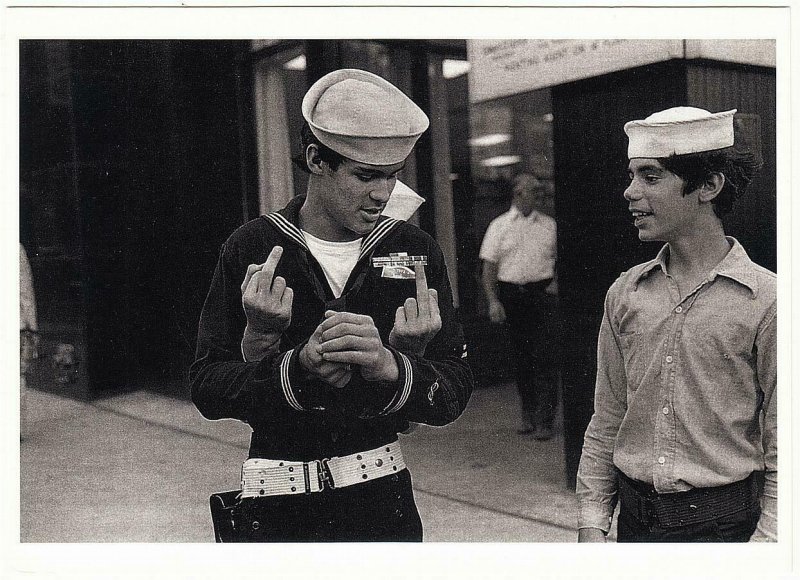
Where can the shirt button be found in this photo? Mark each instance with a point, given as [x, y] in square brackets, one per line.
[679, 309]
[665, 410]
[661, 460]
[669, 358]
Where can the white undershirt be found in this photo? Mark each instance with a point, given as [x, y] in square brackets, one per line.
[336, 258]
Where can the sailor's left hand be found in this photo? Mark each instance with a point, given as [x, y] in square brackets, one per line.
[418, 320]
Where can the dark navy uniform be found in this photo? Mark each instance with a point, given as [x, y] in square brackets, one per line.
[296, 417]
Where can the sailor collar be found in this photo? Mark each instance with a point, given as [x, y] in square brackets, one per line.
[285, 221]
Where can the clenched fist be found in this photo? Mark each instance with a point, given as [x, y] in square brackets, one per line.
[353, 339]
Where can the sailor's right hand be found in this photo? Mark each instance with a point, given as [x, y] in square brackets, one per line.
[266, 298]
[334, 373]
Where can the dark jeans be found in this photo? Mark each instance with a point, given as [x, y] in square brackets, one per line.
[531, 315]
[735, 527]
[382, 510]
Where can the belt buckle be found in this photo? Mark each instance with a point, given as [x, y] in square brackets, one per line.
[324, 474]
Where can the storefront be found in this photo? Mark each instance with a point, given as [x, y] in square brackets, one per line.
[554, 108]
[140, 157]
[563, 104]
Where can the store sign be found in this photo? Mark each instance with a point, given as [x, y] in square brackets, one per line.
[755, 52]
[512, 66]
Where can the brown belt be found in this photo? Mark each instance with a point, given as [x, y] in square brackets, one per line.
[701, 504]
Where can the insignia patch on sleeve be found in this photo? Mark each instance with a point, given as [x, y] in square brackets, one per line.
[432, 390]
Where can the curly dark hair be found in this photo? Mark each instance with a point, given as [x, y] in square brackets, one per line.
[328, 155]
[738, 166]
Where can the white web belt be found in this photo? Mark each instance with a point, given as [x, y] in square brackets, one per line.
[265, 477]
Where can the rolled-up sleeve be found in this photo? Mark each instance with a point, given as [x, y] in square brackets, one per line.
[597, 481]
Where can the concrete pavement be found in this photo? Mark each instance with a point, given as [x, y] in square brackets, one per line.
[139, 467]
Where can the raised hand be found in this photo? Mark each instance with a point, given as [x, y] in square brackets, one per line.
[353, 339]
[267, 303]
[418, 320]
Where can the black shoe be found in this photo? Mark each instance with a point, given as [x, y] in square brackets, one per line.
[526, 431]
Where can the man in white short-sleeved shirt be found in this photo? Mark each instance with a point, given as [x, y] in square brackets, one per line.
[519, 256]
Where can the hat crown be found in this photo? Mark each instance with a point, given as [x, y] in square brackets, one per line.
[359, 108]
[679, 131]
[363, 117]
[677, 115]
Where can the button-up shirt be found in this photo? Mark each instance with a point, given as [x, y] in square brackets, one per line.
[523, 247]
[686, 387]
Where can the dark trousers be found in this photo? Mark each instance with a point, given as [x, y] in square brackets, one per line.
[531, 315]
[381, 510]
[636, 524]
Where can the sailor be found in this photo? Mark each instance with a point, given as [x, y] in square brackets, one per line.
[329, 328]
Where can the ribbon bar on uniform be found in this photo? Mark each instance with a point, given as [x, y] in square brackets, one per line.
[400, 261]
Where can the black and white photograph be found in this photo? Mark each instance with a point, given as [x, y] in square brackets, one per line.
[429, 300]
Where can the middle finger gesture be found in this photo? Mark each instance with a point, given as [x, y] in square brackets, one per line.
[418, 320]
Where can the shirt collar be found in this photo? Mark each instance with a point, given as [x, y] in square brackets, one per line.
[736, 265]
[516, 214]
[660, 261]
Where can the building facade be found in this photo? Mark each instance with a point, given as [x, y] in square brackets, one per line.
[138, 158]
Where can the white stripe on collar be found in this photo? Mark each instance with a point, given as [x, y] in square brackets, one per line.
[367, 244]
[287, 228]
[376, 235]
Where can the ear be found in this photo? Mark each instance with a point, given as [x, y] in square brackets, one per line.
[313, 160]
[711, 187]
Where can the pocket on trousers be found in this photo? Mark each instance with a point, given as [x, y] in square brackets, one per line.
[275, 519]
[396, 517]
[737, 527]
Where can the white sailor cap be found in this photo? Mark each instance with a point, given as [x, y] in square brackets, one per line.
[363, 117]
[678, 131]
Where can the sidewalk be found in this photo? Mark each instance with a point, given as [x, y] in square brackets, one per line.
[139, 467]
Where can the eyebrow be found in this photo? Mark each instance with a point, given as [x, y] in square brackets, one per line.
[644, 168]
[369, 171]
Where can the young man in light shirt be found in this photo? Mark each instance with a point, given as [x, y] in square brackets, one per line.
[685, 403]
